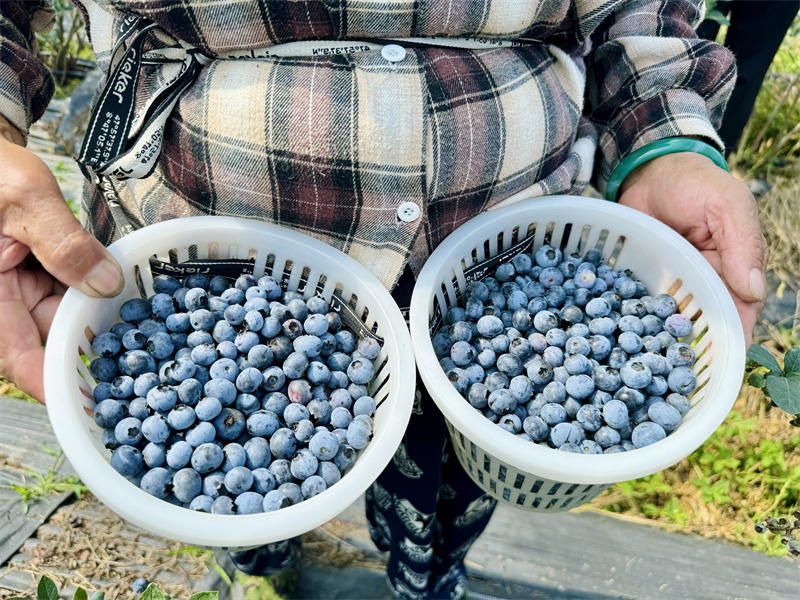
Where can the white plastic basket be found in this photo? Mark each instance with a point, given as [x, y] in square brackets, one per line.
[278, 252]
[533, 477]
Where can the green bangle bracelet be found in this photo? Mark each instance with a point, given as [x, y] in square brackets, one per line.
[659, 148]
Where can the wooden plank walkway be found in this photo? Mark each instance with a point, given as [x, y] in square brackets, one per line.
[80, 543]
[25, 432]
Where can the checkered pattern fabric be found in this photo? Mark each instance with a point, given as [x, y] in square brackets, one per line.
[332, 145]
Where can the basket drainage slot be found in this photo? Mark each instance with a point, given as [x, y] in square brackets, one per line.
[519, 481]
[553, 490]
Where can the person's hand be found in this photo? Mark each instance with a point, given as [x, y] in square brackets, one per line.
[43, 248]
[716, 213]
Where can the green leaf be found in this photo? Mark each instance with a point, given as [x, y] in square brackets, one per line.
[715, 15]
[204, 596]
[763, 357]
[153, 593]
[80, 594]
[791, 362]
[784, 392]
[46, 590]
[756, 380]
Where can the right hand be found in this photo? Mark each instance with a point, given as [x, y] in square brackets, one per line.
[43, 249]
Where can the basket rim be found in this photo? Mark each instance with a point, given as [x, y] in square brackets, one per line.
[550, 463]
[66, 412]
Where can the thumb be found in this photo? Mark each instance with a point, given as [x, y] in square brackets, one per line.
[72, 255]
[742, 248]
[34, 212]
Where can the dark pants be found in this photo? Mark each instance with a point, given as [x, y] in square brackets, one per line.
[754, 36]
[423, 510]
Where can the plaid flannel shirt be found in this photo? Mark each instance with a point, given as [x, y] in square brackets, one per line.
[332, 145]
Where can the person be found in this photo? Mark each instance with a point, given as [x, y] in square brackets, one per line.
[328, 118]
[756, 30]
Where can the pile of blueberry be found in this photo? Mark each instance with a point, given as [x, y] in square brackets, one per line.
[232, 399]
[566, 352]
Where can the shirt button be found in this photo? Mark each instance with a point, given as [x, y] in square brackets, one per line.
[408, 211]
[393, 53]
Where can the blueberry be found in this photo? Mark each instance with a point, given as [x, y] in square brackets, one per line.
[615, 413]
[106, 345]
[607, 437]
[682, 380]
[590, 447]
[681, 403]
[140, 585]
[186, 484]
[154, 455]
[548, 256]
[345, 458]
[103, 369]
[629, 342]
[568, 447]
[157, 482]
[263, 481]
[179, 454]
[222, 331]
[358, 434]
[155, 429]
[552, 414]
[275, 500]
[229, 424]
[135, 309]
[201, 433]
[677, 325]
[201, 504]
[249, 503]
[489, 326]
[665, 415]
[647, 433]
[207, 457]
[361, 371]
[597, 308]
[576, 364]
[283, 443]
[635, 374]
[299, 391]
[108, 413]
[664, 306]
[657, 387]
[223, 506]
[680, 355]
[580, 386]
[128, 431]
[181, 417]
[304, 464]
[127, 461]
[589, 417]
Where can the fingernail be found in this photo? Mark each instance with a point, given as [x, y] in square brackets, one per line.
[105, 279]
[758, 285]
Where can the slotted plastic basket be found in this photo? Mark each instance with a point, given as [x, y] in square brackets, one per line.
[303, 264]
[526, 475]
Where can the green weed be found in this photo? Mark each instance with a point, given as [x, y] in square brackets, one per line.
[38, 485]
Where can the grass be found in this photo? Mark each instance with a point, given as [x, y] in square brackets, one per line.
[34, 486]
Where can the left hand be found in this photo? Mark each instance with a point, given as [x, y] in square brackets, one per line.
[716, 213]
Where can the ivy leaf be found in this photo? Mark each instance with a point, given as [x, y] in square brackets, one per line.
[153, 593]
[763, 357]
[80, 594]
[791, 362]
[756, 380]
[784, 392]
[204, 596]
[46, 590]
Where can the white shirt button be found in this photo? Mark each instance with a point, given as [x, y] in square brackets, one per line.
[408, 211]
[393, 53]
